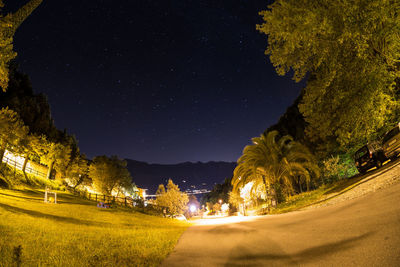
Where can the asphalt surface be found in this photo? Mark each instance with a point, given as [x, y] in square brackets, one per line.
[361, 232]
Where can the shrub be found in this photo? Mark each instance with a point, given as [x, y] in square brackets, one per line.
[172, 199]
[10, 176]
[338, 167]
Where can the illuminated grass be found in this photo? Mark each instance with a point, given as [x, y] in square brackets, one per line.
[303, 200]
[77, 233]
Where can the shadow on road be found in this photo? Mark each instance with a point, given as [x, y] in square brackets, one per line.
[322, 215]
[246, 257]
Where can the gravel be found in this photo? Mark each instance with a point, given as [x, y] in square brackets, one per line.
[372, 182]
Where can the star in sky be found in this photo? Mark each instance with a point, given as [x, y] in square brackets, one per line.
[131, 77]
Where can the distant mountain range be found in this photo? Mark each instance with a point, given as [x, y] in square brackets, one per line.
[188, 175]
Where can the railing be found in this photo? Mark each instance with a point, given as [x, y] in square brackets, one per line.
[18, 165]
[121, 201]
[35, 172]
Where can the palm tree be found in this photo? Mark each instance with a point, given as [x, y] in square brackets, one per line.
[277, 162]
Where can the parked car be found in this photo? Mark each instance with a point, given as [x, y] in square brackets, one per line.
[391, 143]
[369, 156]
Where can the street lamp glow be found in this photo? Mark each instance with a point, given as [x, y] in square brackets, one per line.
[192, 208]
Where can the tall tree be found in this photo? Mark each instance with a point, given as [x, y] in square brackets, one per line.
[33, 148]
[56, 157]
[108, 174]
[13, 132]
[77, 171]
[8, 26]
[349, 51]
[33, 109]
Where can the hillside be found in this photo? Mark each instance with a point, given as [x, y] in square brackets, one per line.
[188, 175]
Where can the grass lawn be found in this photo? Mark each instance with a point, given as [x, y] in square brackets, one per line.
[302, 200]
[324, 192]
[77, 233]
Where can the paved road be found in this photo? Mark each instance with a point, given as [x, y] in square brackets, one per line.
[360, 232]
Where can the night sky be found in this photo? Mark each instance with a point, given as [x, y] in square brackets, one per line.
[157, 81]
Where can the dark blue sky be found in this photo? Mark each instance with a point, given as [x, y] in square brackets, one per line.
[157, 81]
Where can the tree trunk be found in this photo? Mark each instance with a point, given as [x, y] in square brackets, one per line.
[24, 167]
[79, 182]
[2, 151]
[25, 163]
[50, 170]
[266, 187]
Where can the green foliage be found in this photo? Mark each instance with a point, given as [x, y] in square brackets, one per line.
[77, 172]
[216, 207]
[109, 174]
[33, 148]
[12, 132]
[235, 199]
[9, 178]
[292, 123]
[6, 50]
[280, 163]
[56, 156]
[172, 199]
[33, 109]
[338, 167]
[132, 190]
[220, 191]
[160, 190]
[8, 25]
[350, 52]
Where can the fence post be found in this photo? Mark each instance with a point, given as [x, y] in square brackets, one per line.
[96, 197]
[125, 201]
[104, 198]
